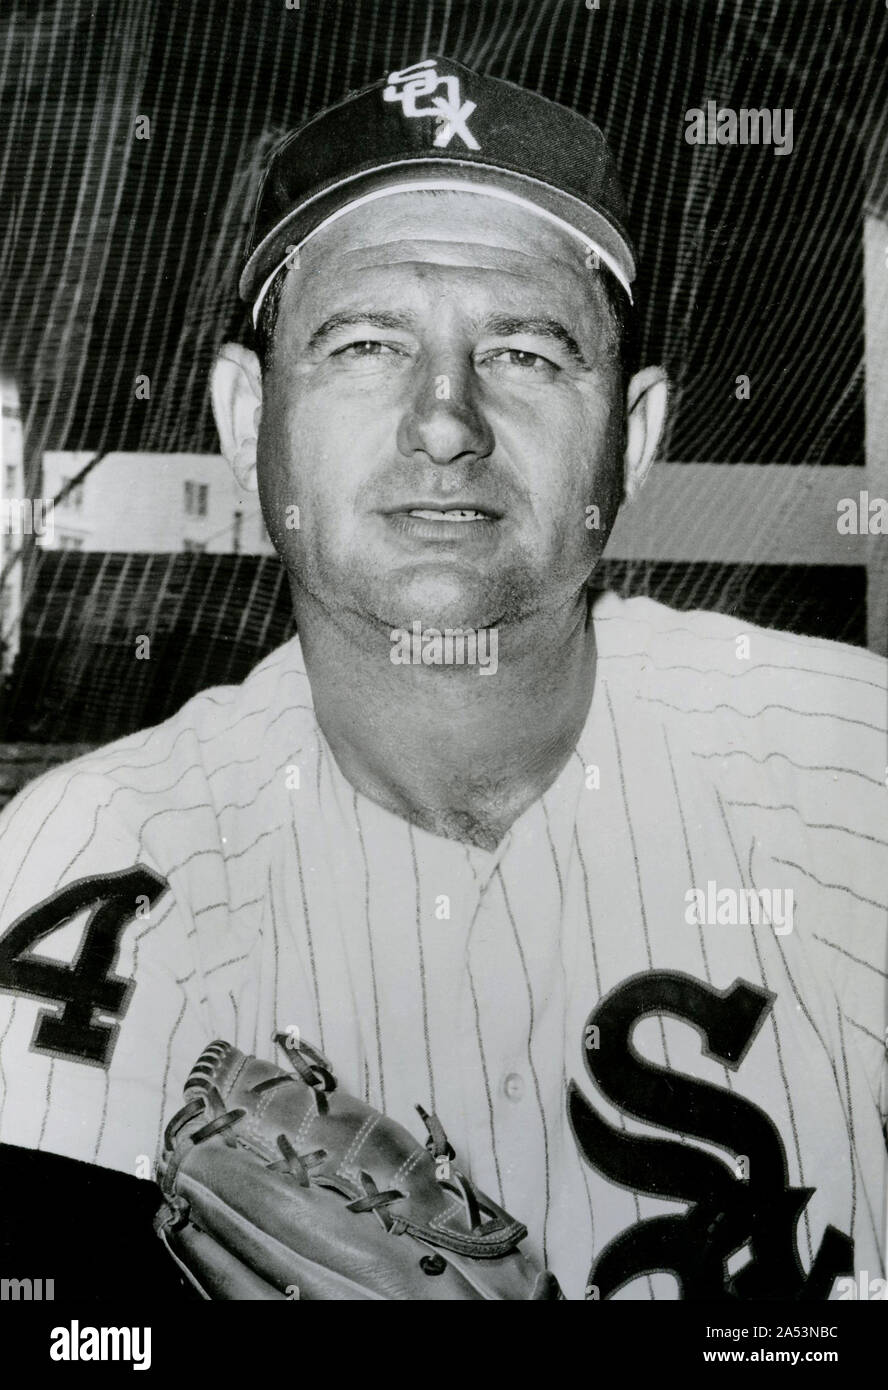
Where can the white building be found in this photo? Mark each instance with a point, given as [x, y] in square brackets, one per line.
[152, 502]
[12, 494]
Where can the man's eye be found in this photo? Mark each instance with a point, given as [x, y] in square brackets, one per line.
[523, 360]
[368, 347]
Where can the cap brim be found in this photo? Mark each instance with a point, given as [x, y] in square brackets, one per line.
[588, 226]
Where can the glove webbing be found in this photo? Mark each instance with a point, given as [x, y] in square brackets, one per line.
[315, 1071]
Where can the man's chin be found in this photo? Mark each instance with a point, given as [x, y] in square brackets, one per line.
[442, 595]
[444, 599]
[441, 617]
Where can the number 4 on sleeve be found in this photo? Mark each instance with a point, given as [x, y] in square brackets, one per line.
[88, 985]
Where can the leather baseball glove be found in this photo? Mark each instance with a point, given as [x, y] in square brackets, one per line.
[279, 1185]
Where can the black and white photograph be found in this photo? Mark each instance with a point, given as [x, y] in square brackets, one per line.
[443, 694]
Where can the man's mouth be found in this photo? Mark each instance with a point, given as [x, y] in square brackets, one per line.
[457, 514]
[427, 524]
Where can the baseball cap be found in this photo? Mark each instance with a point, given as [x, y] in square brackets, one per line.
[438, 125]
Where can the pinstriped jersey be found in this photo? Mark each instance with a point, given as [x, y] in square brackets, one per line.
[652, 1021]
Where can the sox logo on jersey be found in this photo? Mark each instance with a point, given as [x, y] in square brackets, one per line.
[751, 1205]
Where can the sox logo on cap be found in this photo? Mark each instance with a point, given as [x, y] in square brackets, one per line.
[437, 125]
[422, 80]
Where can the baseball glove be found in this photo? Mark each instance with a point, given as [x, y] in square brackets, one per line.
[279, 1185]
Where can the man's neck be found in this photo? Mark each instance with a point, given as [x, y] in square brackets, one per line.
[460, 753]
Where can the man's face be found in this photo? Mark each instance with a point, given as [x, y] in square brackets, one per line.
[433, 355]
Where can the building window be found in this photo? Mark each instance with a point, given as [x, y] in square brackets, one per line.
[196, 497]
[10, 479]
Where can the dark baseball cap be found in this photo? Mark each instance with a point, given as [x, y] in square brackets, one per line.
[438, 125]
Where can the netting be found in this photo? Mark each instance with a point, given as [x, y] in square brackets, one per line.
[128, 164]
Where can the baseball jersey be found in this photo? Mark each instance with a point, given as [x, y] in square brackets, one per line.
[652, 1021]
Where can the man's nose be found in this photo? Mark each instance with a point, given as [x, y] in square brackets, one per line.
[443, 421]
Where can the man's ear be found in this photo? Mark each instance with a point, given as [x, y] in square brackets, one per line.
[236, 390]
[646, 398]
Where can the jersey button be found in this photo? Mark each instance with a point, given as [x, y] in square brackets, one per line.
[513, 1086]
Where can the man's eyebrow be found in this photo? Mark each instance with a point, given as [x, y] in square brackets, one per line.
[353, 318]
[505, 326]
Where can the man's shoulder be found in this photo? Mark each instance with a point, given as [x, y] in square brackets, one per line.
[705, 664]
[213, 752]
[778, 736]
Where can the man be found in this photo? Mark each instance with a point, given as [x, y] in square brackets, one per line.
[601, 883]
